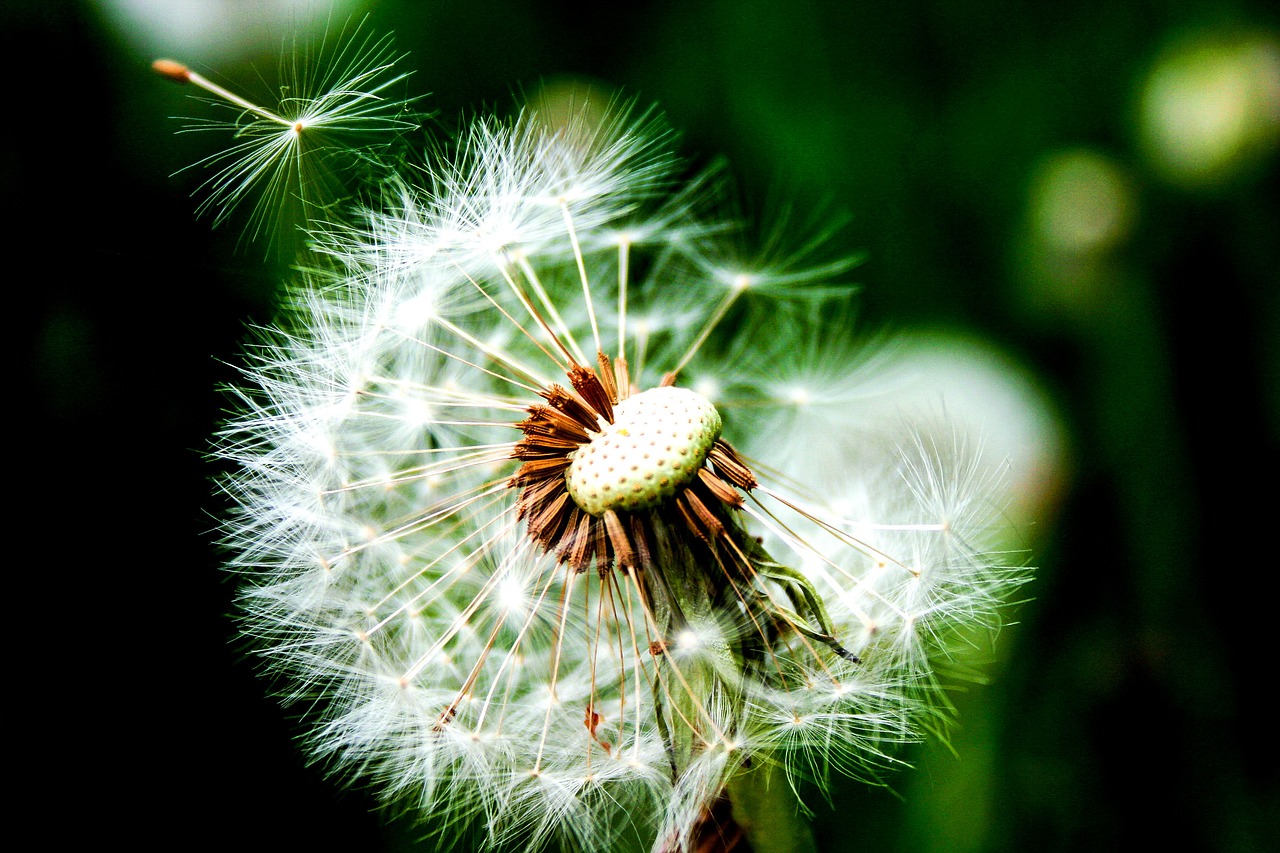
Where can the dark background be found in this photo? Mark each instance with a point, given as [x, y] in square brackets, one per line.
[1131, 707]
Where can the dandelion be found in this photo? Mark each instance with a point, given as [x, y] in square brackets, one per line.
[292, 153]
[565, 518]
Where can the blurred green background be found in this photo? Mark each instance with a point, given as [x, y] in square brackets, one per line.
[1085, 192]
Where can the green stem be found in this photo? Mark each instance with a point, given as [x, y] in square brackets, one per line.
[767, 809]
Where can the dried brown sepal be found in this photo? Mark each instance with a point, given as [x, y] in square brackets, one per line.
[729, 466]
[589, 387]
[578, 546]
[618, 539]
[542, 445]
[536, 492]
[622, 377]
[640, 541]
[548, 420]
[571, 407]
[700, 518]
[722, 490]
[601, 547]
[547, 523]
[607, 378]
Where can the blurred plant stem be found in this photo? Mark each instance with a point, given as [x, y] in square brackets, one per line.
[1145, 448]
[766, 807]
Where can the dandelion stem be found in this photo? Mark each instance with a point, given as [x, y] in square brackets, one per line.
[766, 807]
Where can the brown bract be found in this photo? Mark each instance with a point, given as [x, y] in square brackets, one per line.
[698, 514]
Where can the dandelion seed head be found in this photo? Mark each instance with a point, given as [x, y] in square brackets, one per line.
[498, 537]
